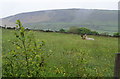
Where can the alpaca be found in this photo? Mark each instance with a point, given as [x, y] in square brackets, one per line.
[86, 38]
[89, 38]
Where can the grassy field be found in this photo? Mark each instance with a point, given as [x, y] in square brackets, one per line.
[0, 53]
[67, 51]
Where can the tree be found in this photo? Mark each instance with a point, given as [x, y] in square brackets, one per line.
[83, 30]
[62, 30]
[116, 34]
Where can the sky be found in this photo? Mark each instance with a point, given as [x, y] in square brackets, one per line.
[12, 7]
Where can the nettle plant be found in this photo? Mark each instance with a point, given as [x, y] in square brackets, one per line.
[27, 59]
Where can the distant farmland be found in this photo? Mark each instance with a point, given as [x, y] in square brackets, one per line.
[98, 20]
[57, 26]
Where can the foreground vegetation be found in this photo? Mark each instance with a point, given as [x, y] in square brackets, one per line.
[0, 53]
[67, 55]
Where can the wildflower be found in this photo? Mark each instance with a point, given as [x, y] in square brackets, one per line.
[18, 47]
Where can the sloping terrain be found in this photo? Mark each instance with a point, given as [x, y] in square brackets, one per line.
[102, 20]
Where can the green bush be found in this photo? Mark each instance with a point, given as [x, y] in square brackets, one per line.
[82, 30]
[62, 30]
[116, 34]
[27, 59]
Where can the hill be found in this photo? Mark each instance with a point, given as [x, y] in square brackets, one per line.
[99, 20]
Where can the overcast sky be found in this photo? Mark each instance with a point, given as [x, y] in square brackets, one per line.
[12, 7]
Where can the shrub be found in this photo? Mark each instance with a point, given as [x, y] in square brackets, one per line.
[116, 34]
[27, 59]
[82, 31]
[62, 30]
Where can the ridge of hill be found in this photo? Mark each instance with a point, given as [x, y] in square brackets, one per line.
[99, 20]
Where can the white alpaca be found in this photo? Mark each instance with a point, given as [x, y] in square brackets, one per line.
[89, 38]
[86, 38]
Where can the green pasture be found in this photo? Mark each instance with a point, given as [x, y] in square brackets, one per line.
[67, 51]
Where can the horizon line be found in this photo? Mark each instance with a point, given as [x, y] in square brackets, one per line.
[55, 9]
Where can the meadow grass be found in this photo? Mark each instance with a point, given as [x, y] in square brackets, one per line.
[0, 53]
[66, 49]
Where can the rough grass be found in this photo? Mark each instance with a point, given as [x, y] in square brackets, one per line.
[65, 48]
[0, 53]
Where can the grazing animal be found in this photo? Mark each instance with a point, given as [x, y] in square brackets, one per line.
[84, 37]
[89, 38]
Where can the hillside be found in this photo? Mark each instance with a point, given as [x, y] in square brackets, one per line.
[100, 20]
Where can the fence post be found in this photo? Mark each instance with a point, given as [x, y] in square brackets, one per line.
[117, 66]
